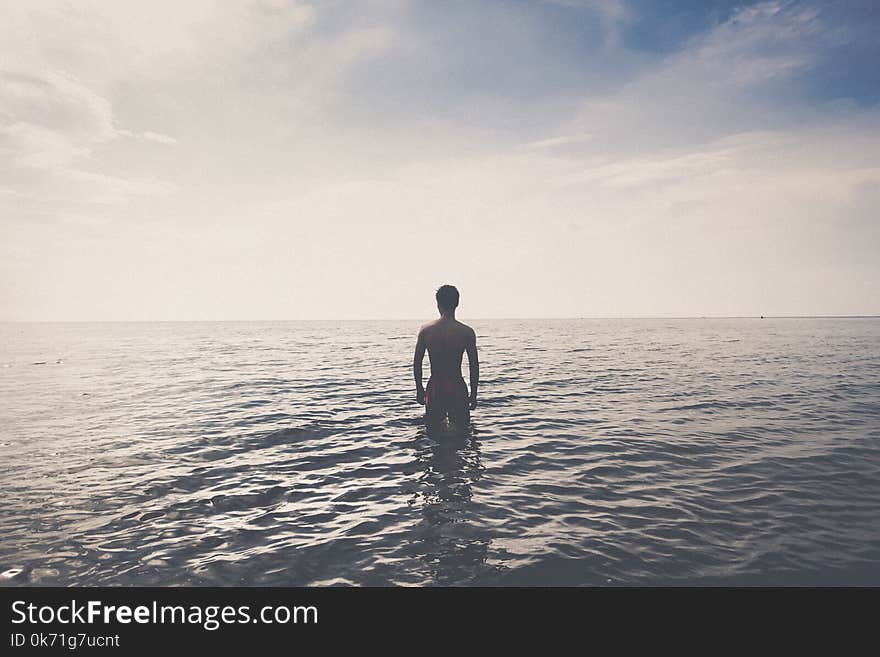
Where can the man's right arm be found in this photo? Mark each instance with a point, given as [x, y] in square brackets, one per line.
[417, 366]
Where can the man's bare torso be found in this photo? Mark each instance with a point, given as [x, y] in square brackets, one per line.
[446, 341]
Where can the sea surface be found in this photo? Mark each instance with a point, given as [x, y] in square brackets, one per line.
[603, 452]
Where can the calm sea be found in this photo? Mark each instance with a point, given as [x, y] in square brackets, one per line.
[603, 452]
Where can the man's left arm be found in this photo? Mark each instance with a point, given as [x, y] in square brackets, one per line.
[474, 366]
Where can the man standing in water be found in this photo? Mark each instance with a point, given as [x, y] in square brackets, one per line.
[446, 340]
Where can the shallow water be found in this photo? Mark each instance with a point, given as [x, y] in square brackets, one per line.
[603, 452]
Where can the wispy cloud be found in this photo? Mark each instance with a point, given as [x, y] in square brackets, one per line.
[148, 136]
[554, 142]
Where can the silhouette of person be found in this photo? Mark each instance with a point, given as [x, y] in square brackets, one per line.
[446, 339]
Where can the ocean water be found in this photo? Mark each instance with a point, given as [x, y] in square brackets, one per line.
[603, 452]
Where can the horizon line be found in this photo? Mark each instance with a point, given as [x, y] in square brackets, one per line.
[418, 319]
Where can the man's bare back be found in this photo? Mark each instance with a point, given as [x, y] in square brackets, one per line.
[446, 340]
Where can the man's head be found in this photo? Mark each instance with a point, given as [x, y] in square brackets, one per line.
[447, 298]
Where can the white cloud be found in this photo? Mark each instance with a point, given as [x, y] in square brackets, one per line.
[721, 83]
[50, 126]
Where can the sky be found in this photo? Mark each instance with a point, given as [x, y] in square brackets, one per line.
[281, 159]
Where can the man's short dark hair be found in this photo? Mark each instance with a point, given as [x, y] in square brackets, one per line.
[447, 297]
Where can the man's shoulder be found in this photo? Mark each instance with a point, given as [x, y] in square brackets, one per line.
[466, 330]
[426, 328]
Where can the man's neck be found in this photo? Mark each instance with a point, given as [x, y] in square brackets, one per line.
[448, 314]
